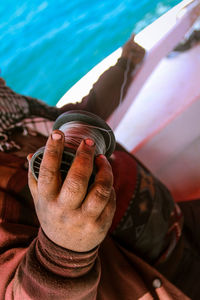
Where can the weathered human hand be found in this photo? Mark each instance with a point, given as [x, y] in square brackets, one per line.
[71, 215]
[133, 51]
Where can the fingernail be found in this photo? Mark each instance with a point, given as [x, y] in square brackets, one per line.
[89, 142]
[56, 136]
[100, 156]
[29, 156]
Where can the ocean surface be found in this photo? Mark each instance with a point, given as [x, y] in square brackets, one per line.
[47, 46]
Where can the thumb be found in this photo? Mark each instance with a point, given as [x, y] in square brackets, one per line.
[32, 182]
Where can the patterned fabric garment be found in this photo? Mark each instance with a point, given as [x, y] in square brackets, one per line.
[22, 112]
[152, 217]
[151, 207]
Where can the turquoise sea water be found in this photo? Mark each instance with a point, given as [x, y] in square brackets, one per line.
[47, 46]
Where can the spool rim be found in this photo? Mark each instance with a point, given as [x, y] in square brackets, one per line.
[35, 164]
[91, 119]
[33, 158]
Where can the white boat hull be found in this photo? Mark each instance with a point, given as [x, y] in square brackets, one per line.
[158, 120]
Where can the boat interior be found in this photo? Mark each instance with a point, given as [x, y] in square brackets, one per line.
[159, 119]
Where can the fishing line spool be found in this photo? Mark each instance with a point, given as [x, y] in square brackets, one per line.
[78, 125]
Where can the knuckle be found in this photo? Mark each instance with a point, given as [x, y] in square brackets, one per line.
[111, 205]
[76, 183]
[46, 174]
[80, 178]
[51, 152]
[102, 191]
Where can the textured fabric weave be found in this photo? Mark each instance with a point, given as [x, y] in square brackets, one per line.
[26, 113]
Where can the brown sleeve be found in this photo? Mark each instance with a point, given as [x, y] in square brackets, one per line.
[31, 265]
[48, 271]
[104, 96]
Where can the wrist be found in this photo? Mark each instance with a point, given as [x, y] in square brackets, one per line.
[62, 261]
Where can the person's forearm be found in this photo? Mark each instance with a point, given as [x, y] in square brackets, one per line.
[48, 271]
